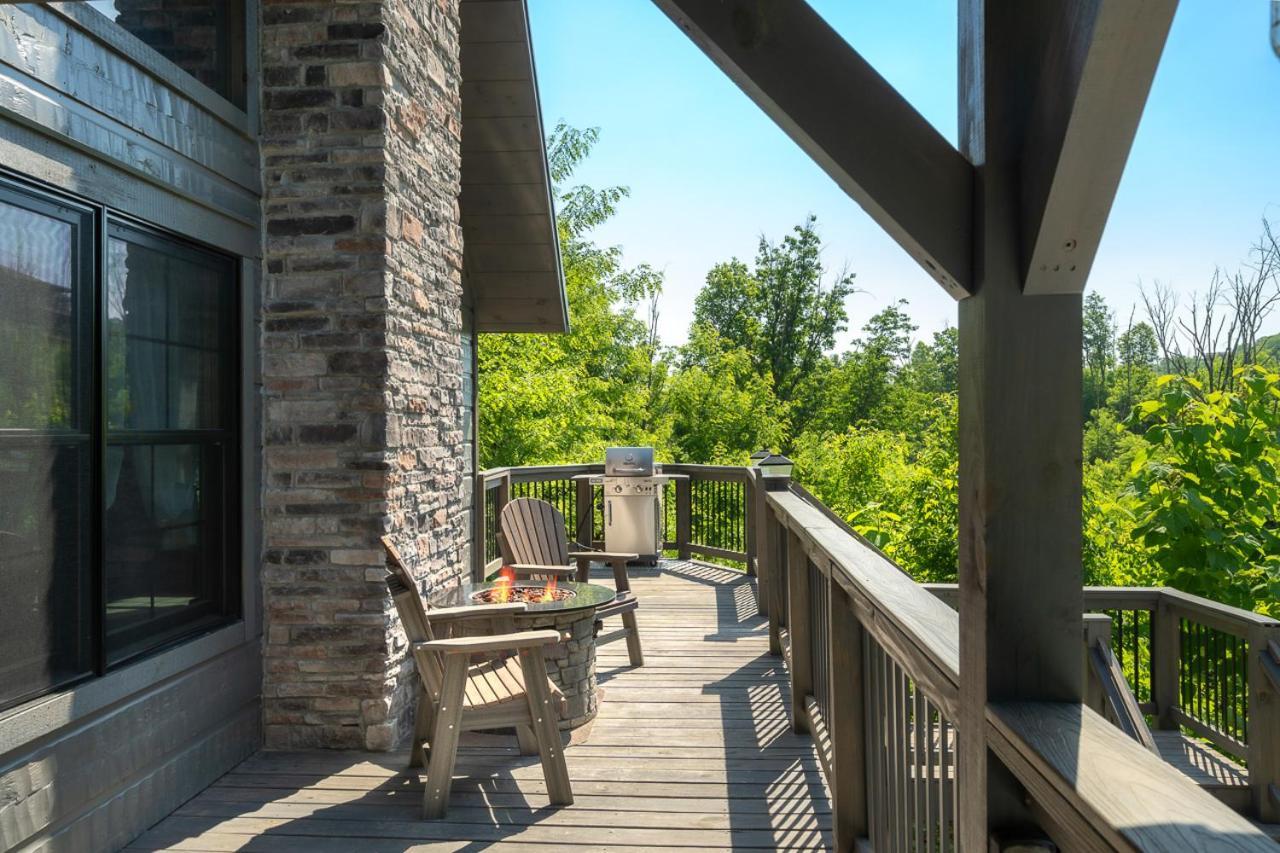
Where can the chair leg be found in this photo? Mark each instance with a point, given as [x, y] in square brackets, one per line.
[421, 728]
[633, 638]
[444, 740]
[544, 719]
[527, 739]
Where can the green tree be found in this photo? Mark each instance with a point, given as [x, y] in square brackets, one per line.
[558, 398]
[721, 407]
[1099, 339]
[1137, 353]
[780, 312]
[862, 384]
[1205, 491]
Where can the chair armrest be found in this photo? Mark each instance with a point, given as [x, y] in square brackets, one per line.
[492, 643]
[602, 556]
[475, 611]
[538, 569]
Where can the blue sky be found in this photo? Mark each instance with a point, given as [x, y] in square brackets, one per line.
[709, 173]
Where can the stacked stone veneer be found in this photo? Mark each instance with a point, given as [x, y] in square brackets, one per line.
[363, 352]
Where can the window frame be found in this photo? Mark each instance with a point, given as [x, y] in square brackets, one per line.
[95, 223]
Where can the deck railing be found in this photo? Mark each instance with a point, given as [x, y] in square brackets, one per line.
[707, 508]
[873, 659]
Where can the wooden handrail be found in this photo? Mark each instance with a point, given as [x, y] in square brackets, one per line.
[1100, 790]
[1119, 795]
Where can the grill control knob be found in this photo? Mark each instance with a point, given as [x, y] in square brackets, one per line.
[618, 488]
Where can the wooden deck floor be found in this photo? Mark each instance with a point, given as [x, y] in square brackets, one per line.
[694, 750]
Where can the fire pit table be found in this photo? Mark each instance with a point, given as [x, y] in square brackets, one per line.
[569, 608]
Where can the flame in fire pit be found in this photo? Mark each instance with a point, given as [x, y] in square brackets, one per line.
[502, 586]
[550, 593]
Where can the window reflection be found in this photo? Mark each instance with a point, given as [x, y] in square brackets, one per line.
[169, 321]
[205, 38]
[45, 461]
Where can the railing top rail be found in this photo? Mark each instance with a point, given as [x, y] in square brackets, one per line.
[913, 625]
[1104, 790]
[1223, 617]
[525, 473]
[1214, 614]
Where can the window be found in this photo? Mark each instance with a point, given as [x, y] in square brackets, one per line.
[205, 38]
[118, 447]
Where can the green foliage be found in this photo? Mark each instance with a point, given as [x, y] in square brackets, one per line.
[780, 313]
[720, 406]
[1179, 483]
[1205, 490]
[552, 398]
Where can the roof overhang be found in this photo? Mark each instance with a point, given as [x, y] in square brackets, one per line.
[511, 250]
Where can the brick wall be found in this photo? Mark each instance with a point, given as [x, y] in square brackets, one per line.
[362, 351]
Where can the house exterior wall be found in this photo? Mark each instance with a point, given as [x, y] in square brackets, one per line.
[90, 767]
[338, 188]
[364, 353]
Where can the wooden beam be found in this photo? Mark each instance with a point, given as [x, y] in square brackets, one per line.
[1094, 77]
[845, 116]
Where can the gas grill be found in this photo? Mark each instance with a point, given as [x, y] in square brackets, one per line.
[633, 489]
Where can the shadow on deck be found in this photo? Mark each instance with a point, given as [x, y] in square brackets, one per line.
[693, 750]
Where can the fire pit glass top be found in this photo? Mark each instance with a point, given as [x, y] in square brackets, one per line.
[569, 595]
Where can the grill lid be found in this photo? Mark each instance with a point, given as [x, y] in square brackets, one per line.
[628, 462]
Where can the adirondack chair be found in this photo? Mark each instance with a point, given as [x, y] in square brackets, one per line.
[457, 694]
[533, 542]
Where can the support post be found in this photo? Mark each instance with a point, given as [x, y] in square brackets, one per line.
[772, 576]
[800, 632]
[749, 493]
[760, 569]
[1264, 721]
[1166, 651]
[1021, 591]
[847, 725]
[584, 508]
[684, 516]
[479, 528]
[1097, 629]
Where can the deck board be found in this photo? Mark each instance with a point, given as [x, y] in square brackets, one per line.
[694, 750]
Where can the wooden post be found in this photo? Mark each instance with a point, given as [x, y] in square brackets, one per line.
[774, 533]
[1264, 721]
[684, 516]
[847, 726]
[503, 495]
[800, 632]
[479, 528]
[1166, 651]
[749, 522]
[1097, 629]
[1021, 595]
[761, 568]
[584, 508]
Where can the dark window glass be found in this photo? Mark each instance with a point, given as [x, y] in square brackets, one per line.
[170, 360]
[46, 458]
[205, 38]
[118, 454]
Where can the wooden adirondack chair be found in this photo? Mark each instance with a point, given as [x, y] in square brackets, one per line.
[533, 542]
[456, 694]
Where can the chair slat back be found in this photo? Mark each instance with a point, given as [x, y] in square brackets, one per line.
[534, 532]
[413, 614]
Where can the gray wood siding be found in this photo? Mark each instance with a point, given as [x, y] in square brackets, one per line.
[89, 109]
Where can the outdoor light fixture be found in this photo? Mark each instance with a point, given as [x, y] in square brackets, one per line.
[762, 453]
[775, 467]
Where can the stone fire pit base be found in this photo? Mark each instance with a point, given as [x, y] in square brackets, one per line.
[572, 665]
